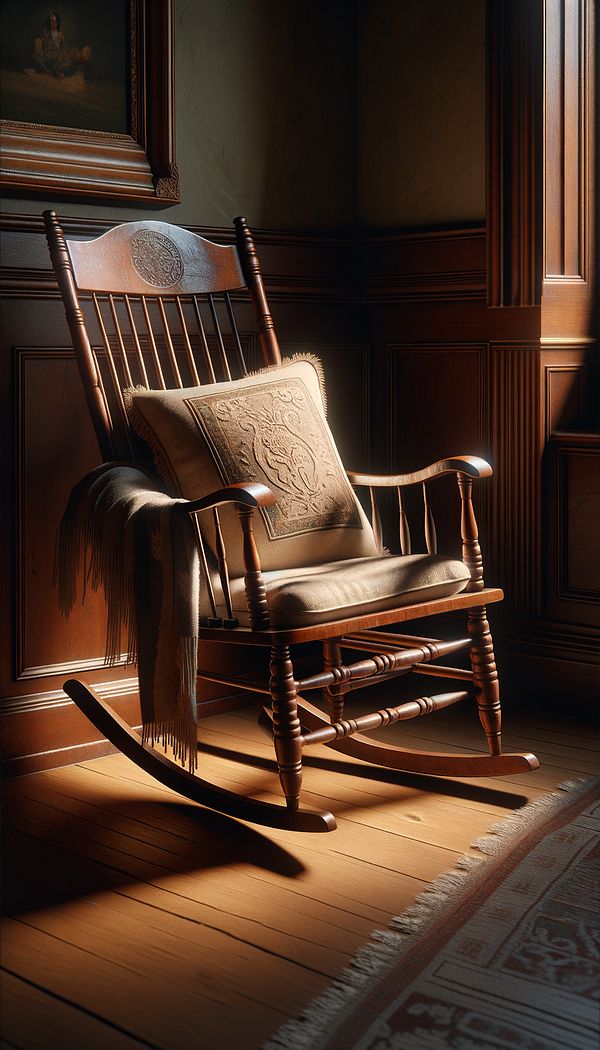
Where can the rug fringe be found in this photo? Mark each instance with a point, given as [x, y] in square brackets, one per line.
[386, 946]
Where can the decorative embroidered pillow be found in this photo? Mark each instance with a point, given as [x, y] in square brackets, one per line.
[268, 427]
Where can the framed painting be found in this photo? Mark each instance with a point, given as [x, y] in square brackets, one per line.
[86, 100]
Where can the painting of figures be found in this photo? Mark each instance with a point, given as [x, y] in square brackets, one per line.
[68, 66]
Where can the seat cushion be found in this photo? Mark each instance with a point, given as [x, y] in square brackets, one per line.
[340, 589]
[269, 427]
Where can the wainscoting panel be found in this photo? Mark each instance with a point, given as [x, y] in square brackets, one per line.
[438, 407]
[574, 528]
[55, 446]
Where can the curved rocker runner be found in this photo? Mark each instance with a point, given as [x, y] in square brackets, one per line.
[187, 784]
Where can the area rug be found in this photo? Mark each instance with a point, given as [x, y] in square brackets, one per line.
[500, 954]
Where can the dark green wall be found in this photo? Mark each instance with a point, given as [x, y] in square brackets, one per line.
[421, 112]
[268, 123]
[265, 113]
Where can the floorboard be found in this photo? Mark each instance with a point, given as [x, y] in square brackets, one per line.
[136, 919]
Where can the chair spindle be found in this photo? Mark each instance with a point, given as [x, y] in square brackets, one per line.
[155, 356]
[114, 374]
[376, 521]
[170, 348]
[136, 340]
[215, 620]
[87, 359]
[236, 335]
[471, 551]
[120, 340]
[223, 570]
[256, 595]
[429, 524]
[332, 657]
[187, 343]
[220, 343]
[405, 544]
[206, 352]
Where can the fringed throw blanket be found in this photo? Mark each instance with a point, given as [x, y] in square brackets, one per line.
[126, 535]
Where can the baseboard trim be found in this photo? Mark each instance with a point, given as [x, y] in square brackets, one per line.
[34, 721]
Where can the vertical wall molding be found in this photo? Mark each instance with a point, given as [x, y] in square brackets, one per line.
[569, 300]
[515, 524]
[514, 137]
[566, 135]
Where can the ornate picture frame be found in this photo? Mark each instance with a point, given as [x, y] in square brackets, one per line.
[133, 164]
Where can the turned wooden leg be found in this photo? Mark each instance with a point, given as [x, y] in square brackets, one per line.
[485, 677]
[332, 657]
[286, 725]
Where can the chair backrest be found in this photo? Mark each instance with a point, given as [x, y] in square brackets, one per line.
[153, 304]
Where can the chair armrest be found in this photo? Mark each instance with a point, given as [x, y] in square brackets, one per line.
[472, 466]
[249, 494]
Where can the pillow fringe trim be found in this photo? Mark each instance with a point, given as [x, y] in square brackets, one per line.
[298, 358]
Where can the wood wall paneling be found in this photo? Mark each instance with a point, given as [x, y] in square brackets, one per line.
[501, 393]
[437, 397]
[45, 729]
[540, 236]
[569, 387]
[564, 387]
[573, 584]
[580, 563]
[347, 371]
[424, 266]
[55, 446]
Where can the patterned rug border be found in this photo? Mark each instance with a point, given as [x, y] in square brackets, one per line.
[449, 891]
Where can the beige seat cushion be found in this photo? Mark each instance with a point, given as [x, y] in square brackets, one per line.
[269, 427]
[339, 589]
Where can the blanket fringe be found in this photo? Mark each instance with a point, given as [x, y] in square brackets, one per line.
[119, 529]
[387, 946]
[178, 735]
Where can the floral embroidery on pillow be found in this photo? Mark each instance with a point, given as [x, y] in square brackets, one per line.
[274, 434]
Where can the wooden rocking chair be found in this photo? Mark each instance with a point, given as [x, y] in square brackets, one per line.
[159, 297]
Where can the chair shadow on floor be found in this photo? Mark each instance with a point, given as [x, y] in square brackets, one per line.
[419, 782]
[61, 857]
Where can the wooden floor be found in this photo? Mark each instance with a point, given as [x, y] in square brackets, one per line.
[135, 919]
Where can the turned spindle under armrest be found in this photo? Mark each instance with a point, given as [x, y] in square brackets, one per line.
[466, 468]
[246, 497]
